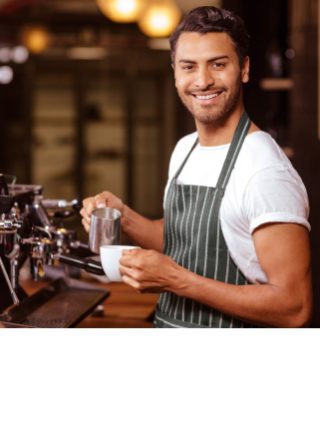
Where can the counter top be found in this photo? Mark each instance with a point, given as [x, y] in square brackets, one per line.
[124, 308]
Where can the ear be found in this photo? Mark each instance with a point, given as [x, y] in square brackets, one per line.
[245, 72]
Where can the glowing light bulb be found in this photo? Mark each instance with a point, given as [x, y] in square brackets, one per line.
[160, 18]
[122, 10]
[127, 7]
[5, 54]
[36, 38]
[20, 54]
[6, 75]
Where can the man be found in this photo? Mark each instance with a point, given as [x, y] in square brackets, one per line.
[235, 232]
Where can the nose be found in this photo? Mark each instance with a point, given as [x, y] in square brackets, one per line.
[204, 78]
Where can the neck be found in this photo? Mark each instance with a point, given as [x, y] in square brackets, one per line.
[220, 132]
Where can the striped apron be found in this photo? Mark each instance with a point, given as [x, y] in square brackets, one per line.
[193, 238]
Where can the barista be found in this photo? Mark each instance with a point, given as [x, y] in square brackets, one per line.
[233, 247]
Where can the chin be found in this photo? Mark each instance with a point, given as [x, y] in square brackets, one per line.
[210, 118]
[214, 117]
[206, 120]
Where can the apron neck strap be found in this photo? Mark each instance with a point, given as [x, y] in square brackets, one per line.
[186, 159]
[233, 152]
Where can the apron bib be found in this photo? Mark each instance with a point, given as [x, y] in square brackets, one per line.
[193, 238]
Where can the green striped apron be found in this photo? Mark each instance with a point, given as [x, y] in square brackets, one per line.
[193, 238]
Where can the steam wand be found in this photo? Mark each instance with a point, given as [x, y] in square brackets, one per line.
[11, 289]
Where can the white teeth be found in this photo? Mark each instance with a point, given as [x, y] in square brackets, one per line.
[207, 97]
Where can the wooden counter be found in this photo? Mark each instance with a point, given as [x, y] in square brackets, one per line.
[124, 308]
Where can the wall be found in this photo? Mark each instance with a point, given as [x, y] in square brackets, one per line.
[304, 119]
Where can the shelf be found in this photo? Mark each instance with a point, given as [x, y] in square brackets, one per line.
[276, 84]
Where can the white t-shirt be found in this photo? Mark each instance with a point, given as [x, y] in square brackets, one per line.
[263, 187]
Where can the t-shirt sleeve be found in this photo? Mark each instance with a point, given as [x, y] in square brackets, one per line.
[275, 194]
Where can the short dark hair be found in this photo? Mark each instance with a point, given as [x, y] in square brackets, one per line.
[207, 19]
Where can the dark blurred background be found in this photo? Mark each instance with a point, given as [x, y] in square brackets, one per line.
[88, 103]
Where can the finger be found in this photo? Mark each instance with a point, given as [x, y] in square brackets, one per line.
[130, 261]
[125, 259]
[131, 282]
[101, 200]
[88, 207]
[87, 201]
[83, 212]
[145, 287]
[91, 203]
[85, 224]
[99, 203]
[131, 252]
[87, 219]
[134, 273]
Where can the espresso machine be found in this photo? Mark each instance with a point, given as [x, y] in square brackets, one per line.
[29, 236]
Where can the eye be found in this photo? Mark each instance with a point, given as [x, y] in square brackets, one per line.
[187, 67]
[218, 65]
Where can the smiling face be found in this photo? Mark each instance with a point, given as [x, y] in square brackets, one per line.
[208, 76]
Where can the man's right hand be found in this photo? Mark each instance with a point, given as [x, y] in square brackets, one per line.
[104, 199]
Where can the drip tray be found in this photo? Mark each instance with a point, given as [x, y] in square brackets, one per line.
[63, 303]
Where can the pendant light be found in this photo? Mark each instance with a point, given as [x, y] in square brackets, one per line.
[123, 11]
[160, 18]
[36, 38]
[6, 74]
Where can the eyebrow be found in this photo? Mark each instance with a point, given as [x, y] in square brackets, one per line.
[216, 58]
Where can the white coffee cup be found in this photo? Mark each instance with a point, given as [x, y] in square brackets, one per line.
[110, 257]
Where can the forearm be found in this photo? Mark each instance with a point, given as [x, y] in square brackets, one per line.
[143, 232]
[284, 301]
[261, 304]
